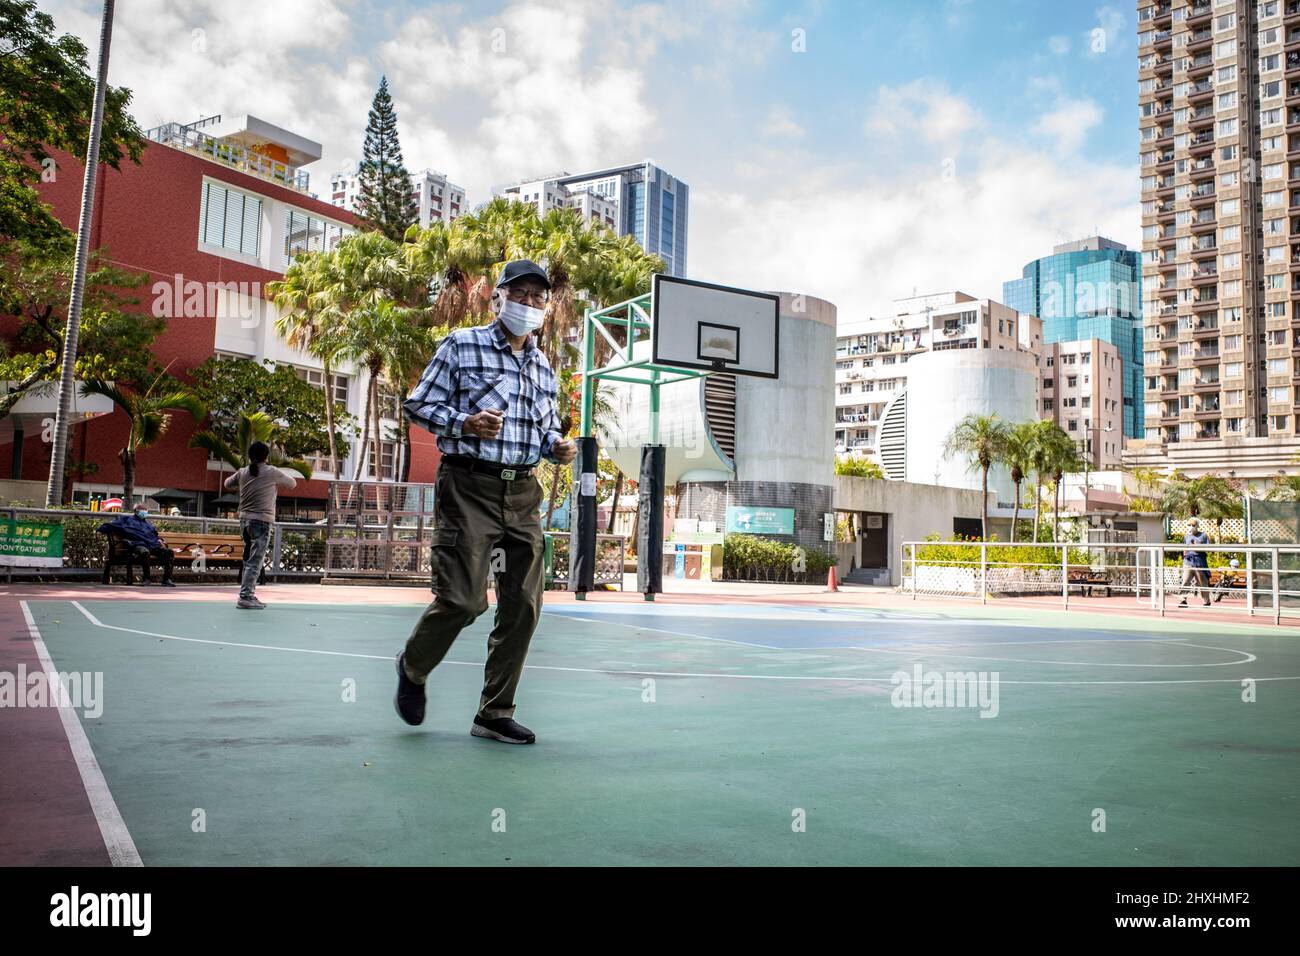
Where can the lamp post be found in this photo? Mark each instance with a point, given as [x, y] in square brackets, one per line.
[58, 452]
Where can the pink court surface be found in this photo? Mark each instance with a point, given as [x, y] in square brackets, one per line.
[719, 724]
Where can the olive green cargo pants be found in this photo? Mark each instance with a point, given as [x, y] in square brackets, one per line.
[484, 525]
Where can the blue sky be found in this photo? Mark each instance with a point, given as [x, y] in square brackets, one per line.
[925, 145]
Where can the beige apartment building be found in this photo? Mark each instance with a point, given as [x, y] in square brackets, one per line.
[1082, 390]
[871, 355]
[1219, 104]
[1078, 385]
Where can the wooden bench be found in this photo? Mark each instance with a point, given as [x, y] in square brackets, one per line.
[186, 546]
[1237, 580]
[1088, 578]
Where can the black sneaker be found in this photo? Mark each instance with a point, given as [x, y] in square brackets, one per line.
[410, 698]
[169, 584]
[504, 729]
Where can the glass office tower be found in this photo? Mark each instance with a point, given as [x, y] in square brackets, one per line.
[653, 207]
[1090, 289]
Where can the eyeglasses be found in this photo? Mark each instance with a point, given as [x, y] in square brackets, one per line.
[535, 297]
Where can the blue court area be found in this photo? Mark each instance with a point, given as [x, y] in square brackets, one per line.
[695, 734]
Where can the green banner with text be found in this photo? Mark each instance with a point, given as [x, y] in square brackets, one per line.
[30, 544]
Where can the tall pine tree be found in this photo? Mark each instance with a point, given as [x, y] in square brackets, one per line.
[385, 200]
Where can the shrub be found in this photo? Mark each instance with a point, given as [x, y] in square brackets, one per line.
[858, 467]
[747, 557]
[966, 551]
[83, 546]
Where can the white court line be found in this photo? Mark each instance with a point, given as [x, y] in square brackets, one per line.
[928, 648]
[660, 630]
[645, 673]
[117, 839]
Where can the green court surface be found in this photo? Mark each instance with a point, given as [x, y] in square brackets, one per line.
[693, 734]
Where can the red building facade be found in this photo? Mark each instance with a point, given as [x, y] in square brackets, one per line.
[148, 219]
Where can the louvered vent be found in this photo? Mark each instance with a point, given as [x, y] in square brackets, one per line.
[893, 438]
[720, 410]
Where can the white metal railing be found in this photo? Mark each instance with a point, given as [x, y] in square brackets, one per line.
[189, 139]
[1267, 581]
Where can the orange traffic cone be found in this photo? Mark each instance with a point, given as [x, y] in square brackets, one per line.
[831, 583]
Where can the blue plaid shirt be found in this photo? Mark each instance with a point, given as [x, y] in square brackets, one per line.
[475, 369]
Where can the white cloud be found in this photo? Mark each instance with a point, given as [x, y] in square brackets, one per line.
[1058, 44]
[955, 13]
[572, 89]
[862, 242]
[566, 91]
[1108, 36]
[1067, 124]
[781, 124]
[924, 107]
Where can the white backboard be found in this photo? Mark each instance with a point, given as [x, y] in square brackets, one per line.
[713, 327]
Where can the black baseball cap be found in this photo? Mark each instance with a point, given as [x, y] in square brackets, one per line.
[520, 268]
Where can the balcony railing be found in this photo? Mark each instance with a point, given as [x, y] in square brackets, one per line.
[191, 140]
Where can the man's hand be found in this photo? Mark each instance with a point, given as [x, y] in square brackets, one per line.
[565, 451]
[484, 424]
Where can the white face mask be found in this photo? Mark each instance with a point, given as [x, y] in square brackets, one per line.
[520, 319]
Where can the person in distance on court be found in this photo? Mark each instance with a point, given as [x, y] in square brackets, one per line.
[142, 538]
[258, 484]
[1196, 568]
[489, 396]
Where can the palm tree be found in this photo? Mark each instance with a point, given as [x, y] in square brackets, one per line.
[148, 416]
[249, 427]
[1207, 496]
[1051, 453]
[375, 308]
[1065, 458]
[982, 438]
[300, 299]
[1040, 448]
[405, 364]
[1284, 488]
[380, 336]
[585, 263]
[1149, 489]
[1017, 455]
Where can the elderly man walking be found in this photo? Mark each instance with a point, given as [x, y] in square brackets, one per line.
[1196, 568]
[489, 396]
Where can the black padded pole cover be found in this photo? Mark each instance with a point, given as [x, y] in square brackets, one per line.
[582, 539]
[650, 529]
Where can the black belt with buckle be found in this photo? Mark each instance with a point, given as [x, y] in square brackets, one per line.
[494, 468]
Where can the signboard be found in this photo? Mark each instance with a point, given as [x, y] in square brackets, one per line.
[760, 520]
[30, 544]
[875, 522]
[828, 525]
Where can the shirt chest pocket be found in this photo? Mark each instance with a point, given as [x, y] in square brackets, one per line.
[533, 403]
[490, 391]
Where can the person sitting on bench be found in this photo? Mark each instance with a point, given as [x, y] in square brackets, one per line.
[140, 536]
[1230, 578]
